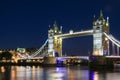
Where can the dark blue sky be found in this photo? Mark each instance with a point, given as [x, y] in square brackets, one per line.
[24, 23]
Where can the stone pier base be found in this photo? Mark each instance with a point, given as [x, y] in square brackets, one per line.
[97, 62]
[49, 61]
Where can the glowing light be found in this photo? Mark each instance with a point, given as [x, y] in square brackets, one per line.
[96, 52]
[57, 74]
[96, 77]
[55, 31]
[107, 24]
[2, 69]
[21, 50]
[71, 31]
[60, 39]
[55, 38]
[106, 39]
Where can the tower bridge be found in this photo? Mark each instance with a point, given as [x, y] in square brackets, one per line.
[101, 40]
[100, 32]
[100, 45]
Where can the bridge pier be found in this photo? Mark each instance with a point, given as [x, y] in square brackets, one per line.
[49, 61]
[98, 62]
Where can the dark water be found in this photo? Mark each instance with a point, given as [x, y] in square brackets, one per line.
[57, 73]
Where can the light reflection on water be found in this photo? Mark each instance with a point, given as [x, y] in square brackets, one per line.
[56, 73]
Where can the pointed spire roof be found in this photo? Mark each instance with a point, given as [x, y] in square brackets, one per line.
[101, 15]
[107, 19]
[94, 20]
[55, 24]
[107, 22]
[55, 27]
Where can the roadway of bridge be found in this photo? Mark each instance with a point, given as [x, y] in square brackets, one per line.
[64, 57]
[75, 34]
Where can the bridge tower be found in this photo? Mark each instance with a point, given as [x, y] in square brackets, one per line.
[100, 42]
[54, 43]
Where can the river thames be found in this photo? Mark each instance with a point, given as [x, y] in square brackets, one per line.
[57, 73]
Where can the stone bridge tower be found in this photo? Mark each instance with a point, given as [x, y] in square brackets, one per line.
[54, 43]
[100, 42]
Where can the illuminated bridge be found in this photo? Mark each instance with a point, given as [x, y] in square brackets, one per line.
[102, 38]
[75, 34]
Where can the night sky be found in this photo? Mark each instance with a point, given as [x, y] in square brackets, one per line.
[24, 23]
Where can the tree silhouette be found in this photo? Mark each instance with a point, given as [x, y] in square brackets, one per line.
[6, 55]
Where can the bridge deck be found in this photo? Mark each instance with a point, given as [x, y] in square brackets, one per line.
[75, 34]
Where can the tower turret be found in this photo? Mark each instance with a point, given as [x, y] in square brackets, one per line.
[54, 43]
[101, 15]
[107, 22]
[55, 27]
[60, 31]
[94, 20]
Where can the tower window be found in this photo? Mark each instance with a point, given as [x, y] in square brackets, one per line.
[97, 27]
